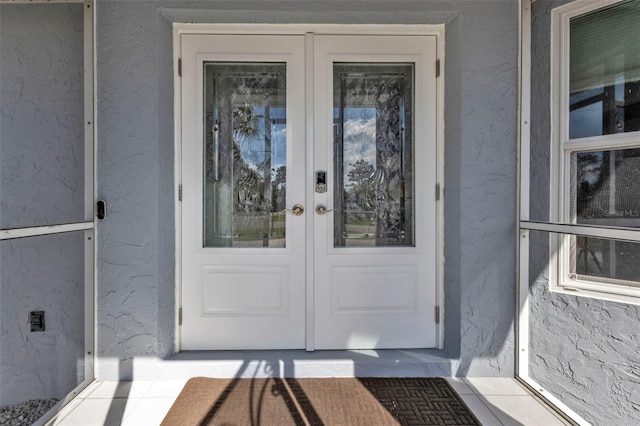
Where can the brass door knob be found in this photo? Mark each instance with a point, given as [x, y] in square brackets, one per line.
[297, 209]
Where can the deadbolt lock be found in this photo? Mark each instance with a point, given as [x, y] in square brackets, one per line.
[321, 181]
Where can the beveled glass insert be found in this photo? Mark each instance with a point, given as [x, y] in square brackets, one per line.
[374, 160]
[245, 139]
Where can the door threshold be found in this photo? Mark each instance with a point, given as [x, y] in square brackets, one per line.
[298, 364]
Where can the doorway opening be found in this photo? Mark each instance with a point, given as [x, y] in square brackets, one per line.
[309, 173]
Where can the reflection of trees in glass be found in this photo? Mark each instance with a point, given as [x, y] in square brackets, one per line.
[252, 163]
[385, 185]
[248, 183]
[246, 122]
[360, 191]
[607, 194]
[279, 188]
[246, 180]
[589, 182]
[606, 184]
[253, 177]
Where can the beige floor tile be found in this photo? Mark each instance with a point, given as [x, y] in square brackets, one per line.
[520, 410]
[104, 390]
[494, 401]
[88, 390]
[99, 412]
[165, 389]
[124, 389]
[481, 411]
[495, 386]
[149, 411]
[458, 384]
[65, 411]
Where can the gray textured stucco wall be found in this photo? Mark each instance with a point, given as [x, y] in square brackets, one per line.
[41, 183]
[586, 352]
[135, 166]
[41, 114]
[41, 274]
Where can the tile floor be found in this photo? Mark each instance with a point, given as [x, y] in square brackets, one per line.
[494, 401]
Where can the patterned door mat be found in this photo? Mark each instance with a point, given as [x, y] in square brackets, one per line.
[336, 401]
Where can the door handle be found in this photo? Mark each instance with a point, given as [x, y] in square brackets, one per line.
[322, 209]
[297, 209]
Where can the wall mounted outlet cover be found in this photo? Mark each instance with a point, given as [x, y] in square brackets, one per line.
[36, 319]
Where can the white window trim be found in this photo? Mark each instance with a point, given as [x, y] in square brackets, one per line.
[561, 149]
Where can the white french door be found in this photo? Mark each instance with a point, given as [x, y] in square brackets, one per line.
[243, 159]
[374, 127]
[319, 239]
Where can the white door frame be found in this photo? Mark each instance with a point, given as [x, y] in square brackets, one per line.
[310, 29]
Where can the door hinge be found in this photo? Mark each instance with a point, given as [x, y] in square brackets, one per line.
[180, 192]
[437, 68]
[437, 314]
[179, 67]
[437, 192]
[180, 316]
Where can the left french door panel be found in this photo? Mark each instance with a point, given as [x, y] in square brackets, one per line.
[243, 169]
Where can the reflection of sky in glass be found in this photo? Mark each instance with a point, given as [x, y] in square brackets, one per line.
[585, 94]
[620, 88]
[586, 121]
[252, 147]
[359, 138]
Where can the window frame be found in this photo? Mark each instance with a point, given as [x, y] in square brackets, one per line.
[561, 188]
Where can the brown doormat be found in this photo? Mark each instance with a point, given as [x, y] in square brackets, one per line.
[352, 401]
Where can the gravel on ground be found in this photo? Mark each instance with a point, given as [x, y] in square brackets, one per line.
[26, 413]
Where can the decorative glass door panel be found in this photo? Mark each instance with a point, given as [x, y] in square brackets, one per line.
[373, 158]
[374, 228]
[245, 154]
[305, 221]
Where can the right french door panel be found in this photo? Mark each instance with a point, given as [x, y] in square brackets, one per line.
[375, 222]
